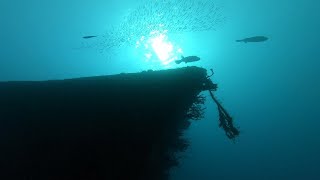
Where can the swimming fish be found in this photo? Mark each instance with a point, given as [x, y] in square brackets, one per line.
[151, 18]
[253, 39]
[88, 37]
[188, 59]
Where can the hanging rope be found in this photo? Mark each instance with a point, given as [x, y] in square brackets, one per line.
[225, 120]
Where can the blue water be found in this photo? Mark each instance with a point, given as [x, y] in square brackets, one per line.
[270, 88]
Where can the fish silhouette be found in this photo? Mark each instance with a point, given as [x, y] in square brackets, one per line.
[187, 59]
[88, 37]
[253, 39]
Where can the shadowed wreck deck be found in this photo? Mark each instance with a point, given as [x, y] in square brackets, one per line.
[125, 126]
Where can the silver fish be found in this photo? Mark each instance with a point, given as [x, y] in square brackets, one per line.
[173, 16]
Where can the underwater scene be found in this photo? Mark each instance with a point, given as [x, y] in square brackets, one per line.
[160, 89]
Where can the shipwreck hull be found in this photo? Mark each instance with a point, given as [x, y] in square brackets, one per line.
[125, 126]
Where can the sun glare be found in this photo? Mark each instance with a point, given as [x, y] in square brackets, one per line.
[162, 48]
[158, 47]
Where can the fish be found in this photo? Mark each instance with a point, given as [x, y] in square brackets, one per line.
[88, 37]
[187, 59]
[253, 39]
[150, 18]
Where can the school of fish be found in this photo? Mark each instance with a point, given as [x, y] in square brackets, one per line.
[155, 17]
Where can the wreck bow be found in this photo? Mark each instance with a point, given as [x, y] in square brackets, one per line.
[125, 126]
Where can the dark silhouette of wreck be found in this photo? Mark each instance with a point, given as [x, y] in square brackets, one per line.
[126, 126]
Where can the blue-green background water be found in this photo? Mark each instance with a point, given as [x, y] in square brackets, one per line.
[270, 88]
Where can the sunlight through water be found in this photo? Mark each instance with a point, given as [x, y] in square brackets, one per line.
[155, 30]
[158, 48]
